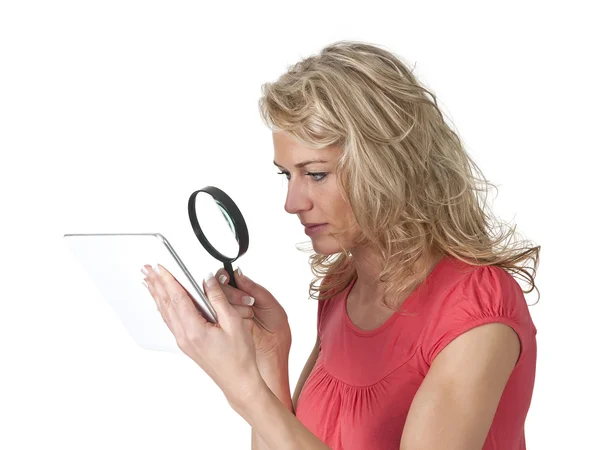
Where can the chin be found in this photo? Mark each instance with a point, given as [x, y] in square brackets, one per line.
[325, 245]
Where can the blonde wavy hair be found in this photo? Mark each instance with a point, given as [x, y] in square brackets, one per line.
[404, 172]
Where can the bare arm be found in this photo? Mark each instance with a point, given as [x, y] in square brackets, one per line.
[456, 403]
[308, 367]
[275, 380]
[275, 424]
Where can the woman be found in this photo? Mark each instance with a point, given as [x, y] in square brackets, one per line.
[424, 338]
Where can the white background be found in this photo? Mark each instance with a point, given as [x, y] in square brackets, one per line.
[113, 112]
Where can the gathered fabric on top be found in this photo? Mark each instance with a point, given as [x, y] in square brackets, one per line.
[358, 395]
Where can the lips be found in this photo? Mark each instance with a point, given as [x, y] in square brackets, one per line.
[314, 229]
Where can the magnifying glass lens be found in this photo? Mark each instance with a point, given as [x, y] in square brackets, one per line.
[216, 225]
[219, 226]
[227, 219]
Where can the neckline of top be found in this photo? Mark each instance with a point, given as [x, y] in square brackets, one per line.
[394, 316]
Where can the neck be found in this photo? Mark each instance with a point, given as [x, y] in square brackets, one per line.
[368, 289]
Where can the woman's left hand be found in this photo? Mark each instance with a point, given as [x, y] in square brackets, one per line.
[225, 351]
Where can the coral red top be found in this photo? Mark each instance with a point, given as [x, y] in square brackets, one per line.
[359, 392]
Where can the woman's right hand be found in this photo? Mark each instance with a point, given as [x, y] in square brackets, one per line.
[271, 333]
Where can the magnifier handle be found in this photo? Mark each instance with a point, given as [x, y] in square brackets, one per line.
[229, 270]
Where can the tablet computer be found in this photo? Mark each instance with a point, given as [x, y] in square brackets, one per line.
[114, 263]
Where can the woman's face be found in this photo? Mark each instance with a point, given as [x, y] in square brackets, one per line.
[313, 194]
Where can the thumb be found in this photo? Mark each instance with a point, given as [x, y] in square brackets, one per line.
[261, 295]
[218, 299]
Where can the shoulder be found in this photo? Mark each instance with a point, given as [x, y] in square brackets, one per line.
[490, 281]
[483, 291]
[480, 295]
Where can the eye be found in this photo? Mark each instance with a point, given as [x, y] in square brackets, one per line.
[287, 174]
[320, 175]
[317, 176]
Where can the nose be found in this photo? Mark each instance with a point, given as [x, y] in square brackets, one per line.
[296, 199]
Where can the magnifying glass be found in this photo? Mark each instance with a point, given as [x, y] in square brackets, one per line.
[219, 225]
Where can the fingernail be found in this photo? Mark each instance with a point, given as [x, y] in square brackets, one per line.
[144, 283]
[248, 300]
[210, 279]
[144, 271]
[239, 271]
[223, 279]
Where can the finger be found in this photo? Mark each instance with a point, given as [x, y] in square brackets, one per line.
[184, 314]
[217, 298]
[245, 311]
[222, 276]
[234, 295]
[252, 289]
[158, 297]
[249, 325]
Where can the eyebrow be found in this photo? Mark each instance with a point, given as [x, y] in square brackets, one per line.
[305, 163]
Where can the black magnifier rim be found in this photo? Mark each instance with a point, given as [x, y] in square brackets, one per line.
[235, 215]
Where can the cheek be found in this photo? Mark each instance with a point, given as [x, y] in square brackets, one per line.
[341, 218]
[338, 212]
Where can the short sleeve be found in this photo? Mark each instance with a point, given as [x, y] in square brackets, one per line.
[488, 294]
